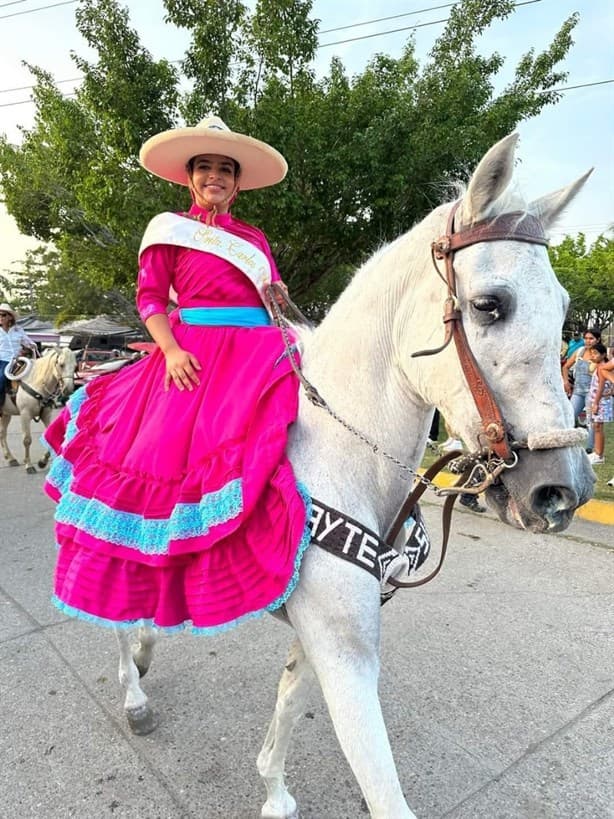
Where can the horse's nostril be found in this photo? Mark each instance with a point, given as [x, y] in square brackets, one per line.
[555, 503]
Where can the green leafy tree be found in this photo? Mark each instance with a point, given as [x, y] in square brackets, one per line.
[369, 154]
[47, 284]
[587, 273]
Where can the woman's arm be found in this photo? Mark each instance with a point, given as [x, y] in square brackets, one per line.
[567, 385]
[154, 283]
[181, 366]
[26, 341]
[605, 372]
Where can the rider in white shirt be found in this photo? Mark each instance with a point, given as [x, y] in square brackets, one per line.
[12, 339]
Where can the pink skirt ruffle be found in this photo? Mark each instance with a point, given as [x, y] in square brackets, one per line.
[180, 508]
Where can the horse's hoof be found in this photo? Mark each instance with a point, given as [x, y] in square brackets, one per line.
[31, 470]
[13, 462]
[293, 815]
[42, 464]
[285, 808]
[142, 721]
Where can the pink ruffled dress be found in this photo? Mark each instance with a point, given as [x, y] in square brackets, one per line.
[181, 508]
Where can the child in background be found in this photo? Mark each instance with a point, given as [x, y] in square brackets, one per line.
[599, 407]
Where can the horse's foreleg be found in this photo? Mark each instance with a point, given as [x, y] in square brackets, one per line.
[46, 419]
[339, 632]
[143, 652]
[26, 430]
[294, 686]
[4, 425]
[136, 706]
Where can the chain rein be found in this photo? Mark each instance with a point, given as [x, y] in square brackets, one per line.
[312, 392]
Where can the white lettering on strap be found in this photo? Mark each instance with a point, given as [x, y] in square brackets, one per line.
[317, 514]
[353, 531]
[329, 526]
[365, 553]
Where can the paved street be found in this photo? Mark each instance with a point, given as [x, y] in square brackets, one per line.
[497, 686]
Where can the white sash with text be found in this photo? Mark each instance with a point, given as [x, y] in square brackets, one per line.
[172, 229]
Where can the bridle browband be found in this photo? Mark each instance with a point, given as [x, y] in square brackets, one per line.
[517, 227]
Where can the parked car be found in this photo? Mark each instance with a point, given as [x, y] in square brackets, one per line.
[93, 363]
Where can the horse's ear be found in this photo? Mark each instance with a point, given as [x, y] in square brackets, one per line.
[548, 208]
[489, 180]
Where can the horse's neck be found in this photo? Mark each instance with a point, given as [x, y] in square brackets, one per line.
[352, 360]
[43, 377]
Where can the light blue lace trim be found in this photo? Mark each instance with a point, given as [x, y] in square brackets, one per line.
[302, 547]
[103, 621]
[47, 445]
[147, 535]
[60, 473]
[210, 630]
[74, 404]
[76, 400]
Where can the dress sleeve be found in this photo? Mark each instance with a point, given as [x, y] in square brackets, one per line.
[156, 267]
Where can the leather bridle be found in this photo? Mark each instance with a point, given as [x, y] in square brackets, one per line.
[518, 227]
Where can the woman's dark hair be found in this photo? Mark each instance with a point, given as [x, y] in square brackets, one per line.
[594, 331]
[190, 165]
[600, 348]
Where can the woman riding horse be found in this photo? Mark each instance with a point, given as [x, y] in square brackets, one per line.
[12, 339]
[173, 471]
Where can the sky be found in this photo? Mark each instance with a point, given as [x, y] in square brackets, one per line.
[554, 149]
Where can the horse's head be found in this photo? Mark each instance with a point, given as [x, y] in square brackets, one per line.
[512, 309]
[66, 366]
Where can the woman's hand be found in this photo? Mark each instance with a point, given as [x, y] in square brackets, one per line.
[567, 386]
[181, 367]
[280, 297]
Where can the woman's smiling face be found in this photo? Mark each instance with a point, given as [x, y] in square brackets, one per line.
[213, 180]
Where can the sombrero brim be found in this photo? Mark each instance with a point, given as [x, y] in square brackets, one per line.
[167, 154]
[4, 308]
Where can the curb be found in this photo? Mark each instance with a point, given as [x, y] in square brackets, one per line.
[596, 511]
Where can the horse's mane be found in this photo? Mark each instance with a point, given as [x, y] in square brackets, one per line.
[46, 362]
[510, 200]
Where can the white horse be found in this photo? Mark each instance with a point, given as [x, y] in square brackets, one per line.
[360, 358]
[51, 377]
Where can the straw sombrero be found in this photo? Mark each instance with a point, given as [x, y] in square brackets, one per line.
[167, 154]
[6, 308]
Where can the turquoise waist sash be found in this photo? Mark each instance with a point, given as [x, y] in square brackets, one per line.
[225, 316]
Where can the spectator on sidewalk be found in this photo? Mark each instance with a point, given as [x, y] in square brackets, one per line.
[599, 403]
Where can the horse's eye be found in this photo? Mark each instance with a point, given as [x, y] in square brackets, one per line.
[488, 309]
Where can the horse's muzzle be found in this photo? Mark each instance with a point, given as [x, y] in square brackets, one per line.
[542, 493]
